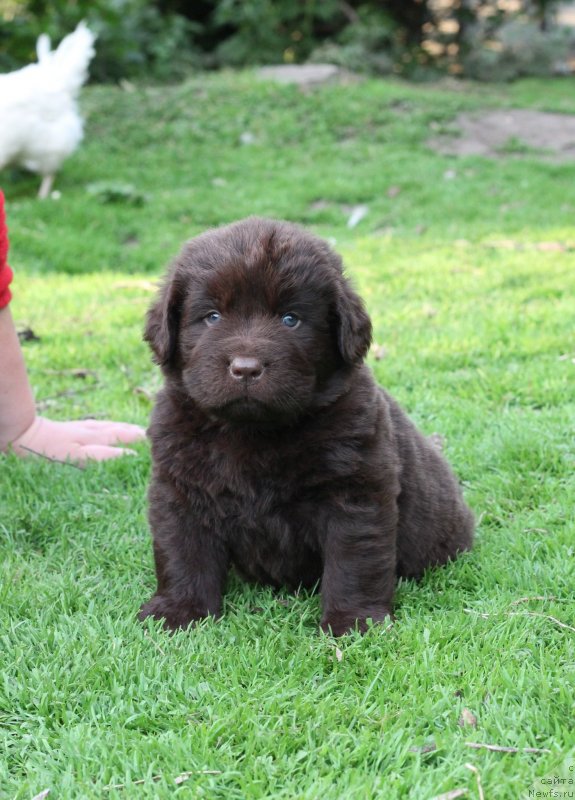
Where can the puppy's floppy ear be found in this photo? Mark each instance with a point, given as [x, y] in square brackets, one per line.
[353, 324]
[163, 322]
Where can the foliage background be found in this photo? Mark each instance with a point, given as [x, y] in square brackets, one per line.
[164, 39]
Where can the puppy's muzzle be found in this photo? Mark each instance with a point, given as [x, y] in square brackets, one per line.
[246, 369]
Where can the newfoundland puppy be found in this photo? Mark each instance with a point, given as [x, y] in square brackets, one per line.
[273, 448]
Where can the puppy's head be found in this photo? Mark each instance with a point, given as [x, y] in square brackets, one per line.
[257, 322]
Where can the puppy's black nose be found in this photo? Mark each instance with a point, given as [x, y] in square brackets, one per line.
[246, 368]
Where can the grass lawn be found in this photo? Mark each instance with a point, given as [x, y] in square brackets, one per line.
[468, 269]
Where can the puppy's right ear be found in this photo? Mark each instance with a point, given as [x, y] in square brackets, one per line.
[163, 322]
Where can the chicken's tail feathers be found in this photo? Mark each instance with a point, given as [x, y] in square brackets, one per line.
[70, 60]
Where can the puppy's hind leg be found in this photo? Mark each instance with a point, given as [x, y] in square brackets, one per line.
[358, 580]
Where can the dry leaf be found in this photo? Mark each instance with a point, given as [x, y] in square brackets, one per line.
[378, 351]
[28, 335]
[429, 310]
[319, 205]
[143, 392]
[467, 718]
[356, 216]
[430, 747]
[338, 654]
[393, 191]
[42, 795]
[437, 440]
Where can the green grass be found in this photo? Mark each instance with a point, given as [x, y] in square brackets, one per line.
[476, 318]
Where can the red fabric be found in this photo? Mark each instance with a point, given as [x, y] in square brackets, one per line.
[5, 271]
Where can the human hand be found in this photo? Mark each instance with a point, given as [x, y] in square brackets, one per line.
[77, 440]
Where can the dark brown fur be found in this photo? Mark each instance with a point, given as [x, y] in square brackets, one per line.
[273, 448]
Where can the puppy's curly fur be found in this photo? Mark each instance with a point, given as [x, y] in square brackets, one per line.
[273, 448]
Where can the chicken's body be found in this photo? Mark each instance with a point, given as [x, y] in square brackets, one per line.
[40, 125]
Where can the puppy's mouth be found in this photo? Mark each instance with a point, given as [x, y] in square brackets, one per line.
[251, 411]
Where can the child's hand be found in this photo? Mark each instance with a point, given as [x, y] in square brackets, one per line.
[77, 441]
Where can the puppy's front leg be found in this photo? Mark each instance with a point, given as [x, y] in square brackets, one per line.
[191, 562]
[358, 580]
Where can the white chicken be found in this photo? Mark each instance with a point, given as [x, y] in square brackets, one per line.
[40, 125]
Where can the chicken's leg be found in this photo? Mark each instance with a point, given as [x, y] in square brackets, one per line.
[45, 186]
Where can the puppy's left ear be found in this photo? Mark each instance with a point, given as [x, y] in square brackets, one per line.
[353, 324]
[163, 322]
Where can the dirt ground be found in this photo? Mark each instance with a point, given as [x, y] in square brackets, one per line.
[510, 132]
[489, 133]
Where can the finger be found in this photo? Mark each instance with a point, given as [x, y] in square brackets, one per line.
[101, 452]
[107, 433]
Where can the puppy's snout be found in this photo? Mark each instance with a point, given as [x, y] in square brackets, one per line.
[244, 368]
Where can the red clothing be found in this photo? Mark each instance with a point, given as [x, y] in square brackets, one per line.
[5, 271]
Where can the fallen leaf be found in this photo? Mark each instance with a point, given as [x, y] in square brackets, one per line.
[430, 747]
[42, 795]
[319, 205]
[378, 351]
[28, 335]
[429, 310]
[393, 191]
[438, 441]
[143, 392]
[338, 654]
[467, 718]
[356, 216]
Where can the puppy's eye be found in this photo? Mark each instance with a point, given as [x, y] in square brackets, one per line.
[291, 320]
[212, 318]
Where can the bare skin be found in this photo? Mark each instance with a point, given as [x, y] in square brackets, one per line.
[26, 433]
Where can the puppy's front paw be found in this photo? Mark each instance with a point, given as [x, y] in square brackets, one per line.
[175, 613]
[338, 623]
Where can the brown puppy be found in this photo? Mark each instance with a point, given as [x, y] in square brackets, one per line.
[273, 448]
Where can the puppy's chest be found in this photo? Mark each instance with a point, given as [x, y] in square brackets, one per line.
[263, 507]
